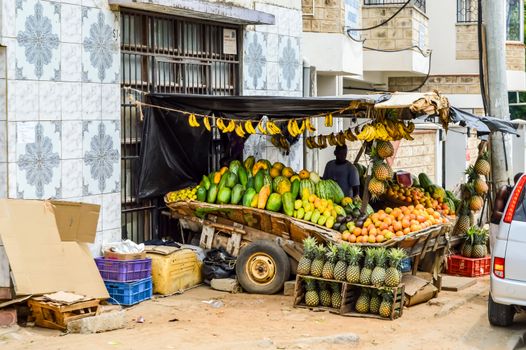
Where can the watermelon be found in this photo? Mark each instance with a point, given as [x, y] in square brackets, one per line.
[274, 202]
[336, 191]
[281, 185]
[295, 189]
[201, 194]
[288, 203]
[242, 175]
[248, 196]
[237, 194]
[212, 193]
[231, 179]
[308, 184]
[424, 181]
[258, 181]
[235, 165]
[224, 194]
[324, 190]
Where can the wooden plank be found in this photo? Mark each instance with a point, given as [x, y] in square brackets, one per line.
[207, 237]
[457, 283]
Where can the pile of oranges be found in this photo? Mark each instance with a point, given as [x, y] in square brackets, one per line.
[389, 223]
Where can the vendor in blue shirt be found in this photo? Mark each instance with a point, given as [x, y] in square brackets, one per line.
[343, 172]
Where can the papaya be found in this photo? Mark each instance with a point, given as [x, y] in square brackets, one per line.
[263, 195]
[231, 179]
[254, 203]
[258, 181]
[295, 189]
[260, 165]
[267, 180]
[237, 194]
[242, 175]
[274, 202]
[224, 179]
[304, 174]
[275, 172]
[248, 196]
[288, 203]
[206, 182]
[223, 170]
[201, 194]
[279, 166]
[281, 185]
[234, 166]
[212, 193]
[249, 163]
[217, 178]
[250, 183]
[287, 172]
[224, 194]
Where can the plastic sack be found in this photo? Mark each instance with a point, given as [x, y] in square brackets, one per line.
[218, 264]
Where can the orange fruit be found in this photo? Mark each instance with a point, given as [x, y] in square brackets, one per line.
[372, 239]
[380, 239]
[365, 238]
[407, 231]
[352, 238]
[357, 231]
[345, 235]
[397, 226]
[399, 233]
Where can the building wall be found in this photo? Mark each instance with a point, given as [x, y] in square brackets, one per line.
[446, 84]
[323, 16]
[515, 56]
[466, 41]
[63, 105]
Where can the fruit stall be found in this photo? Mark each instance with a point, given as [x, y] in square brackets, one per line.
[280, 221]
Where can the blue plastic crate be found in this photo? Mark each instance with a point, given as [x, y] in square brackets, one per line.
[407, 264]
[129, 293]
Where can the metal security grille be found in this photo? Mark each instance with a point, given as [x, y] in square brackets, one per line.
[166, 54]
[467, 11]
[419, 4]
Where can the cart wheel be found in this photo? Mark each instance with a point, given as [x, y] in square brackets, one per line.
[262, 267]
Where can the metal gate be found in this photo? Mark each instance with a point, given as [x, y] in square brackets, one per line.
[168, 54]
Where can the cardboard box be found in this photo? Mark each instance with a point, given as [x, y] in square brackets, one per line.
[418, 290]
[129, 256]
[46, 245]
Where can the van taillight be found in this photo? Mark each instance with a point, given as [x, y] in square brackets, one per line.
[498, 267]
[514, 200]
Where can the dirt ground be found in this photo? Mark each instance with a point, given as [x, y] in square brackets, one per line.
[451, 321]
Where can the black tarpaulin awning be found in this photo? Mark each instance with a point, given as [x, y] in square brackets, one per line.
[483, 125]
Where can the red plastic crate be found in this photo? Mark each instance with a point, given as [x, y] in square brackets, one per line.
[468, 267]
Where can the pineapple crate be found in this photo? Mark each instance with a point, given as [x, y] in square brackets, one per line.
[349, 293]
[55, 316]
[124, 270]
[468, 267]
[129, 293]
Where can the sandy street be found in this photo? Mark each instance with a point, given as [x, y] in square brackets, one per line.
[452, 321]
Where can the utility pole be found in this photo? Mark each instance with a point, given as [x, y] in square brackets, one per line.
[494, 18]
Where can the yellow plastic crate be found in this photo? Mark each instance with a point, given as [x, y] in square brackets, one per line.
[175, 272]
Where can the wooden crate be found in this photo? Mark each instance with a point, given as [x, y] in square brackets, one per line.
[55, 316]
[299, 294]
[352, 292]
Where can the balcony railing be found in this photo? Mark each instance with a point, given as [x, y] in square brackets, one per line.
[467, 11]
[419, 4]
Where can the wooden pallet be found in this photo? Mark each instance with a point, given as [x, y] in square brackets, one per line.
[56, 316]
[350, 293]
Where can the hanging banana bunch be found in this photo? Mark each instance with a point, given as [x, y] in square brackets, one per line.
[328, 120]
[261, 129]
[309, 126]
[239, 131]
[273, 128]
[206, 122]
[249, 128]
[192, 120]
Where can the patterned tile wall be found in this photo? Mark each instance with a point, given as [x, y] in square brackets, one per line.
[63, 110]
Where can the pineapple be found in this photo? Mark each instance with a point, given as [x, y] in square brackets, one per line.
[374, 304]
[376, 187]
[482, 166]
[481, 187]
[325, 294]
[332, 257]
[384, 149]
[382, 171]
[463, 224]
[386, 306]
[480, 249]
[309, 246]
[467, 247]
[393, 273]
[475, 203]
[378, 274]
[336, 297]
[317, 264]
[341, 266]
[367, 270]
[311, 295]
[353, 270]
[363, 303]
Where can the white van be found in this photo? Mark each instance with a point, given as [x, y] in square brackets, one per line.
[508, 261]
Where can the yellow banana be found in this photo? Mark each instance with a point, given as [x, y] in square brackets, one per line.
[220, 124]
[302, 127]
[261, 128]
[193, 122]
[290, 129]
[231, 126]
[249, 128]
[206, 122]
[308, 125]
[239, 131]
[272, 128]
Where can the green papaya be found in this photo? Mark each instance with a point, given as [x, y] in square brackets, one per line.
[250, 182]
[249, 163]
[201, 194]
[231, 179]
[212, 193]
[274, 202]
[258, 180]
[224, 179]
[242, 175]
[248, 196]
[267, 179]
[224, 194]
[295, 189]
[234, 166]
[237, 194]
[206, 183]
[288, 203]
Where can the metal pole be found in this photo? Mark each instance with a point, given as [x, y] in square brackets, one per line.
[493, 14]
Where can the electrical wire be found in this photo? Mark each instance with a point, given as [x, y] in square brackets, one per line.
[382, 23]
[481, 58]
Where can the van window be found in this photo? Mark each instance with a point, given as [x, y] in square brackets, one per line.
[520, 211]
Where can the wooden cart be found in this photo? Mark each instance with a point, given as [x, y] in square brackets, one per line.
[269, 245]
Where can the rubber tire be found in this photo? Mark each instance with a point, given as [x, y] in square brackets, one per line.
[282, 267]
[499, 314]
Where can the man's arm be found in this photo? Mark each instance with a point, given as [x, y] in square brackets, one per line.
[499, 205]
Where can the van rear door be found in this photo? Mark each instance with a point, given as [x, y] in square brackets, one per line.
[515, 263]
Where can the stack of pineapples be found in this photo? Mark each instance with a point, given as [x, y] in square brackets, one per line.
[475, 244]
[381, 268]
[381, 171]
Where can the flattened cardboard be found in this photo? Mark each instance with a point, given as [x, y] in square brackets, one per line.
[41, 262]
[76, 222]
[418, 290]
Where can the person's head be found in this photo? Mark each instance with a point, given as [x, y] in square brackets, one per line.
[517, 177]
[340, 152]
